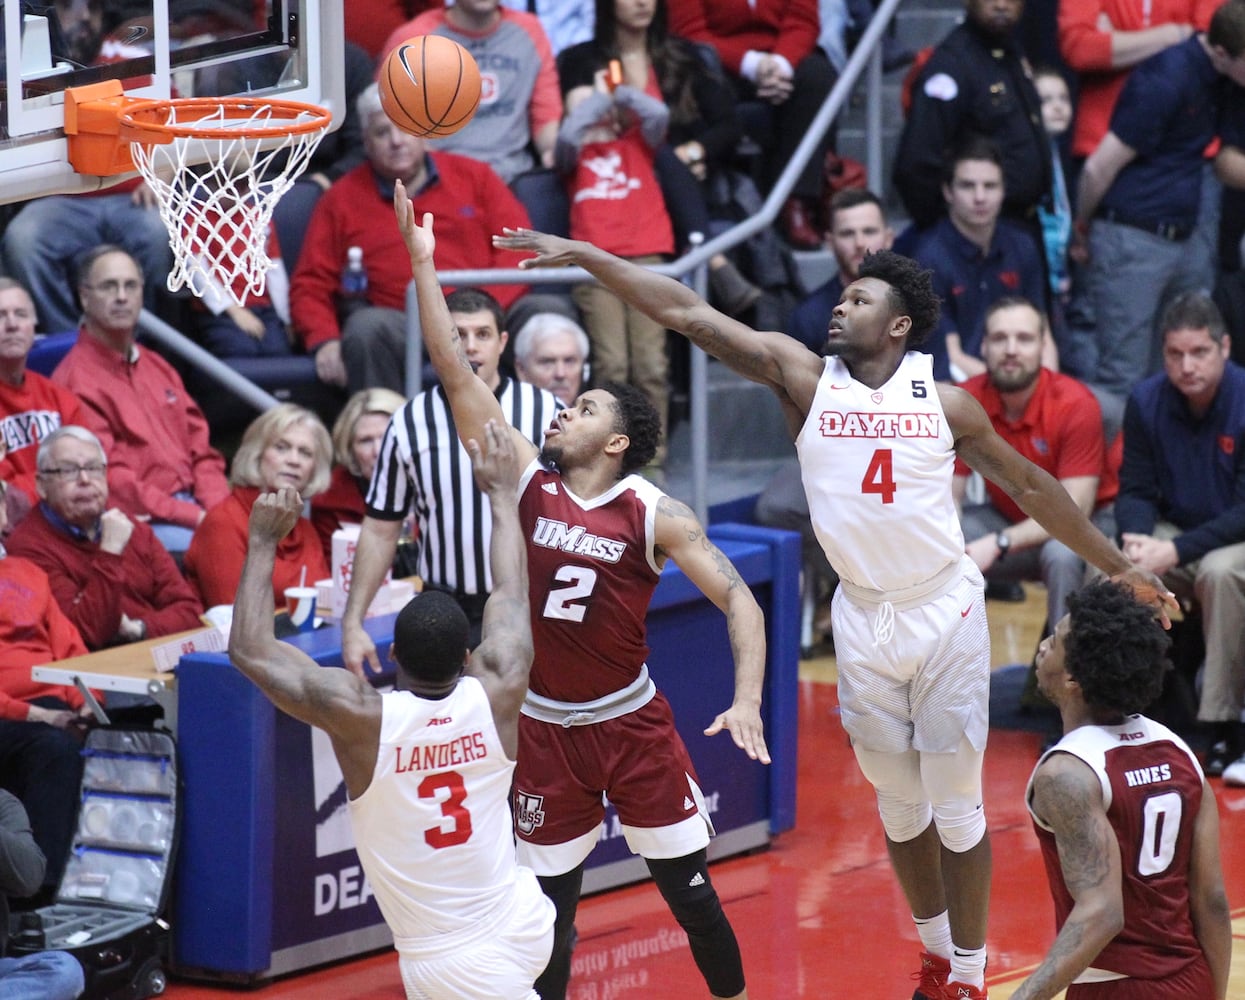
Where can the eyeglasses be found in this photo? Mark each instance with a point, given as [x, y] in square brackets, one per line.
[68, 473]
[130, 287]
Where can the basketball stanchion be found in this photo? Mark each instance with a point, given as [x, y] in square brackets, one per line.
[216, 165]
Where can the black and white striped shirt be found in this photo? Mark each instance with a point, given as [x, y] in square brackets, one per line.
[423, 466]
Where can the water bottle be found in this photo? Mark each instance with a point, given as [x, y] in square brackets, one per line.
[353, 293]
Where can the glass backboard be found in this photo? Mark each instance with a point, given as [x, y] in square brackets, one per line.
[288, 49]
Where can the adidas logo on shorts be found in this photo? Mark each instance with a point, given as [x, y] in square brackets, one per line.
[697, 879]
[688, 803]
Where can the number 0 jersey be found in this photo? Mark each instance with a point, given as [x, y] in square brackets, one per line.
[433, 830]
[1152, 791]
[877, 466]
[592, 571]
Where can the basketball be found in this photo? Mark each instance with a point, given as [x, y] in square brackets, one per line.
[429, 86]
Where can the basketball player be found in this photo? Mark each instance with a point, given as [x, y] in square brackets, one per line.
[1128, 825]
[877, 439]
[593, 722]
[428, 766]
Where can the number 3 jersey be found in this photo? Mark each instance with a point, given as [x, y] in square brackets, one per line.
[433, 829]
[592, 571]
[877, 466]
[1152, 791]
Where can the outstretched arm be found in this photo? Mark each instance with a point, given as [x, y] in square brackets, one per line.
[1040, 495]
[1067, 797]
[773, 359]
[471, 400]
[503, 659]
[681, 536]
[334, 700]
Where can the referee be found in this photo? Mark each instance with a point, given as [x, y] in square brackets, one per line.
[425, 468]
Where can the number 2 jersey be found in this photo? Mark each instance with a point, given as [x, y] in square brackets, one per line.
[433, 829]
[1152, 790]
[592, 571]
[877, 466]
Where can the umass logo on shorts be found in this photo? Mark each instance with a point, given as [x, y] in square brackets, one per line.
[529, 812]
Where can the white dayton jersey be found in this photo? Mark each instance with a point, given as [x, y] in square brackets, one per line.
[433, 830]
[877, 467]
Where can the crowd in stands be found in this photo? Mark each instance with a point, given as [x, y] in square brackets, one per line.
[1070, 214]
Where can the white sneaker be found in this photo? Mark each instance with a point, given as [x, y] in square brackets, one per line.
[1234, 773]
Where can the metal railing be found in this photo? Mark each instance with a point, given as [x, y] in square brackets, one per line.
[692, 267]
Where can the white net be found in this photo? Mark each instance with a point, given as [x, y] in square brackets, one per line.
[217, 194]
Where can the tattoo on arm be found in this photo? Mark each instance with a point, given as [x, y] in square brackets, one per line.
[1066, 805]
[695, 534]
[710, 338]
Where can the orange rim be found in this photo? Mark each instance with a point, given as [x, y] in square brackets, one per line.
[147, 121]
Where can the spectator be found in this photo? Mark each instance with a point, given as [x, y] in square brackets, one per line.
[769, 49]
[161, 465]
[703, 128]
[566, 22]
[31, 406]
[520, 105]
[1181, 508]
[338, 153]
[1054, 422]
[40, 724]
[357, 434]
[856, 227]
[975, 256]
[1103, 39]
[975, 83]
[424, 470]
[369, 23]
[1141, 194]
[368, 347]
[109, 574]
[550, 351]
[43, 242]
[606, 147]
[286, 447]
[1055, 211]
[259, 326]
[45, 975]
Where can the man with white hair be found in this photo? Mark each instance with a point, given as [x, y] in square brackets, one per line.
[108, 572]
[550, 351]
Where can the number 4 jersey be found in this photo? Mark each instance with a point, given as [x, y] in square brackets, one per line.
[1152, 791]
[592, 570]
[877, 467]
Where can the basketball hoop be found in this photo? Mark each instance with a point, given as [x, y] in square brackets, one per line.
[216, 165]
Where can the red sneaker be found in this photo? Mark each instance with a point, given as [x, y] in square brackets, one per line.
[962, 991]
[932, 979]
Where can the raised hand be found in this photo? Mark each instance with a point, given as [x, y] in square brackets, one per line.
[551, 251]
[420, 243]
[497, 466]
[275, 514]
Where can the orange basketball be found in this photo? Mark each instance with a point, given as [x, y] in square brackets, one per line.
[429, 86]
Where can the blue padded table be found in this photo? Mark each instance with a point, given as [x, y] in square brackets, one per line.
[267, 879]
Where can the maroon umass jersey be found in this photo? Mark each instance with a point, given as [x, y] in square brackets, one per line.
[1152, 790]
[592, 571]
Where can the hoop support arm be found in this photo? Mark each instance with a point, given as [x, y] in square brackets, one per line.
[93, 129]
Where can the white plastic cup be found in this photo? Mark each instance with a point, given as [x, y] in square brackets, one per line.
[300, 604]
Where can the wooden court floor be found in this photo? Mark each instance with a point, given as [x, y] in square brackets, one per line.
[818, 914]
